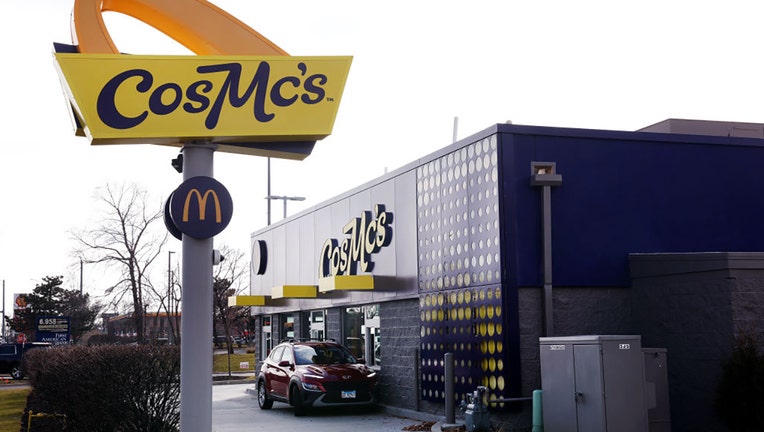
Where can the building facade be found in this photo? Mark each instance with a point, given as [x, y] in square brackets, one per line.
[519, 232]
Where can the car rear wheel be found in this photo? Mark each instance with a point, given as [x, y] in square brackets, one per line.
[262, 396]
[16, 372]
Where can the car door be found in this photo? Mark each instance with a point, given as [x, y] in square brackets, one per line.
[285, 368]
[274, 374]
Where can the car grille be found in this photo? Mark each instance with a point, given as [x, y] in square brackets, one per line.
[333, 392]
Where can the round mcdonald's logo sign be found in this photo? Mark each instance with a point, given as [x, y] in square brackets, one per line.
[200, 207]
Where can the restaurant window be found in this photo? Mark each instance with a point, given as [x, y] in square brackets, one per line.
[287, 328]
[316, 327]
[362, 334]
[267, 336]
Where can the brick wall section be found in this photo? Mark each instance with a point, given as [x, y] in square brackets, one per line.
[691, 318]
[694, 306]
[577, 311]
[748, 303]
[399, 338]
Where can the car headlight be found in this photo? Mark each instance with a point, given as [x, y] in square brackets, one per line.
[371, 375]
[311, 386]
[313, 376]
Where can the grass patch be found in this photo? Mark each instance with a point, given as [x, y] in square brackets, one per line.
[220, 363]
[12, 405]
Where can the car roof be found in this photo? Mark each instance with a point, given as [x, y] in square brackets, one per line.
[310, 342]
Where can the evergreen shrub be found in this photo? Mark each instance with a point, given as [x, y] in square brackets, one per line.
[106, 388]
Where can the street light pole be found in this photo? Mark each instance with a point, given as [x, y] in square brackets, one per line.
[170, 307]
[269, 191]
[285, 199]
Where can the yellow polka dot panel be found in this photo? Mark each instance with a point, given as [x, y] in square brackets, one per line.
[468, 323]
[461, 298]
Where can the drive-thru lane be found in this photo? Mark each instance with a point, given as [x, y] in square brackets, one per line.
[235, 410]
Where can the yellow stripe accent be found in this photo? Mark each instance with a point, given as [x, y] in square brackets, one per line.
[294, 291]
[247, 300]
[346, 283]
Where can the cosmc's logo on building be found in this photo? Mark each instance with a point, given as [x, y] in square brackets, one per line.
[241, 91]
[368, 234]
[200, 207]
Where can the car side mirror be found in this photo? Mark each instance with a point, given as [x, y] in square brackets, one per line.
[285, 363]
[361, 360]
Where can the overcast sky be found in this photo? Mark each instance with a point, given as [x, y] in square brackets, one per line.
[417, 65]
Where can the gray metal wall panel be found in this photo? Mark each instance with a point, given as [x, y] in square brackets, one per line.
[405, 233]
[356, 204]
[292, 262]
[277, 266]
[322, 228]
[384, 194]
[295, 244]
[340, 215]
[307, 250]
[261, 284]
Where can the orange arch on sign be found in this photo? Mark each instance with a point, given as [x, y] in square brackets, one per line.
[200, 26]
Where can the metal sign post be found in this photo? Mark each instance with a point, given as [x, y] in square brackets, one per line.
[174, 95]
[196, 325]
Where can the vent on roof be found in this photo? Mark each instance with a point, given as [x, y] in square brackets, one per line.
[707, 127]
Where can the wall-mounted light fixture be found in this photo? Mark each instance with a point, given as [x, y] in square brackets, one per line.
[545, 174]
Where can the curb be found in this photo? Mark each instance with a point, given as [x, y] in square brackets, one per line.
[410, 414]
[232, 382]
[445, 427]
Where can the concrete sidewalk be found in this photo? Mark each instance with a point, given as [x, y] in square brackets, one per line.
[234, 409]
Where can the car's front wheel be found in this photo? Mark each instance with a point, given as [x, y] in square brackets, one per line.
[16, 372]
[296, 400]
[262, 396]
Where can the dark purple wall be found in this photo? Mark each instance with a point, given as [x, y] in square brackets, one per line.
[625, 192]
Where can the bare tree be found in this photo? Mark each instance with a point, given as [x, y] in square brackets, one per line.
[169, 297]
[127, 239]
[228, 280]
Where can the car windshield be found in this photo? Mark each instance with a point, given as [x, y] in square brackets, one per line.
[322, 354]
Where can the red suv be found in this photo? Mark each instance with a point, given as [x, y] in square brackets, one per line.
[311, 373]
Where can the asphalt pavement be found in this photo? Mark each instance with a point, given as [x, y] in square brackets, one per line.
[234, 409]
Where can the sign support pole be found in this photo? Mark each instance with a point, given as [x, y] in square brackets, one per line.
[196, 325]
[2, 328]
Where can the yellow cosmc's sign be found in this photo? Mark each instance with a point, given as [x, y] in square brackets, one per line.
[170, 99]
[241, 91]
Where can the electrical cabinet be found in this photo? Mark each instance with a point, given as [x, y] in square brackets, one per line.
[593, 384]
[657, 390]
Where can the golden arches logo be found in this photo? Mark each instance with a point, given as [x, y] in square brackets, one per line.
[241, 91]
[202, 201]
[182, 217]
[195, 24]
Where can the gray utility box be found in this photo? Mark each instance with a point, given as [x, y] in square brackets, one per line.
[593, 383]
[657, 390]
